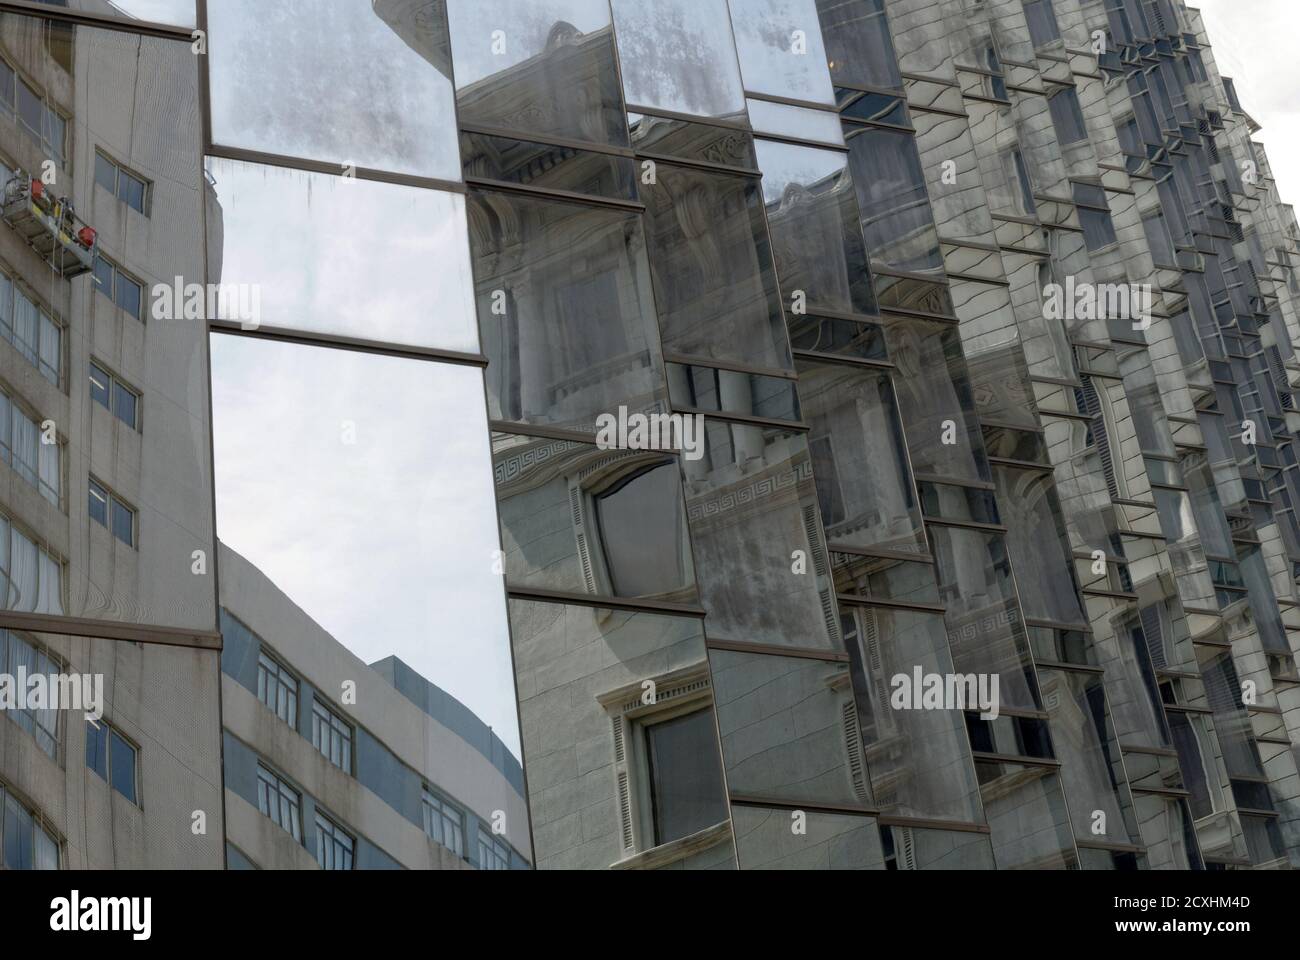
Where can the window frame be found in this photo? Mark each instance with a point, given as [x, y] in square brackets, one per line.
[284, 791]
[114, 384]
[332, 841]
[436, 808]
[106, 732]
[269, 667]
[119, 274]
[113, 500]
[325, 726]
[121, 171]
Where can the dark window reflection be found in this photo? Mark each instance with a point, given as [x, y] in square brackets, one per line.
[896, 217]
[685, 778]
[528, 164]
[584, 520]
[859, 49]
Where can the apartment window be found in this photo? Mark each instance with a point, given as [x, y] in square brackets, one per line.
[1042, 22]
[127, 187]
[34, 576]
[443, 822]
[331, 735]
[19, 653]
[1094, 215]
[684, 776]
[44, 124]
[31, 331]
[27, 844]
[1067, 118]
[112, 757]
[126, 293]
[333, 845]
[280, 802]
[108, 510]
[278, 689]
[114, 396]
[23, 447]
[492, 853]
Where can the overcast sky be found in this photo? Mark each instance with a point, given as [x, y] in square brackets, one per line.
[1254, 44]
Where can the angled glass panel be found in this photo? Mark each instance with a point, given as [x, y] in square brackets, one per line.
[343, 269]
[714, 390]
[764, 841]
[885, 579]
[528, 164]
[812, 213]
[935, 399]
[178, 13]
[353, 523]
[1027, 813]
[984, 623]
[1038, 545]
[802, 123]
[919, 759]
[592, 736]
[780, 47]
[896, 217]
[544, 68]
[831, 335]
[566, 308]
[55, 557]
[679, 56]
[859, 49]
[386, 66]
[864, 486]
[752, 503]
[911, 848]
[789, 728]
[1092, 767]
[578, 518]
[728, 146]
[715, 283]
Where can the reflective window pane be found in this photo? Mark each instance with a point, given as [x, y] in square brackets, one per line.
[566, 308]
[585, 520]
[812, 213]
[714, 279]
[780, 48]
[346, 268]
[545, 68]
[385, 66]
[764, 841]
[678, 55]
[382, 530]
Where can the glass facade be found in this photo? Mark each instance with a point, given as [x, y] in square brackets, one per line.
[758, 434]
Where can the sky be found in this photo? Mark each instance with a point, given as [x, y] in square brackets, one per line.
[1253, 42]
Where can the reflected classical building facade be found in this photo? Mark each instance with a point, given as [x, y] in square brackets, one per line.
[838, 238]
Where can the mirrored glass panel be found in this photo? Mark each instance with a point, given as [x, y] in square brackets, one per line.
[764, 841]
[729, 146]
[1027, 813]
[566, 309]
[545, 68]
[105, 490]
[715, 284]
[346, 268]
[714, 390]
[780, 48]
[812, 213]
[386, 66]
[986, 631]
[679, 56]
[802, 123]
[179, 13]
[752, 503]
[638, 773]
[1038, 545]
[896, 217]
[859, 49]
[384, 533]
[581, 519]
[911, 848]
[789, 728]
[919, 759]
[525, 163]
[864, 486]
